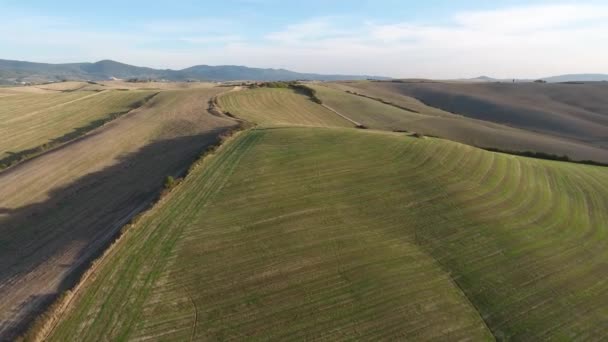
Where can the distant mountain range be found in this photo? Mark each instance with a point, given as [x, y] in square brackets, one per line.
[15, 72]
[12, 72]
[577, 78]
[552, 79]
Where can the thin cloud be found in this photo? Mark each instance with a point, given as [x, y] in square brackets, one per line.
[524, 41]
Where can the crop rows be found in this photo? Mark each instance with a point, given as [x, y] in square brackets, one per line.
[279, 107]
[313, 233]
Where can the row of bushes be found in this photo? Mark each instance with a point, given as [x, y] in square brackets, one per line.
[383, 101]
[544, 155]
[310, 92]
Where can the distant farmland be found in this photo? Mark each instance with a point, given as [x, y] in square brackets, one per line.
[574, 111]
[334, 233]
[495, 132]
[31, 123]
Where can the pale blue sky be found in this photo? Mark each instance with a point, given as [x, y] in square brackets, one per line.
[436, 39]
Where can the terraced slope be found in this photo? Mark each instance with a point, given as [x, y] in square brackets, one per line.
[296, 233]
[29, 121]
[432, 121]
[61, 209]
[279, 107]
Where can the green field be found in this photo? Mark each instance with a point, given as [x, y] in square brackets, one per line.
[29, 121]
[331, 233]
[279, 107]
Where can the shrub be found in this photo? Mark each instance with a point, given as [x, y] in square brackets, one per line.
[170, 183]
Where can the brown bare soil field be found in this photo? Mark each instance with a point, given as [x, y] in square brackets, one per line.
[59, 210]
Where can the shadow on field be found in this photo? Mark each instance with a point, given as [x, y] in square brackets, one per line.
[45, 247]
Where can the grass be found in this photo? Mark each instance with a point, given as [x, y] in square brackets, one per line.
[32, 123]
[279, 107]
[329, 233]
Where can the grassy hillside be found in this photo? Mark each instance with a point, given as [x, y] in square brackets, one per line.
[62, 208]
[433, 121]
[576, 111]
[330, 233]
[30, 121]
[279, 107]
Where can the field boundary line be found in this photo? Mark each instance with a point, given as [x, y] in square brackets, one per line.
[357, 124]
[383, 101]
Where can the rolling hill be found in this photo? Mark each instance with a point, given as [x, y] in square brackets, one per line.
[302, 227]
[393, 112]
[17, 71]
[337, 233]
[575, 114]
[332, 232]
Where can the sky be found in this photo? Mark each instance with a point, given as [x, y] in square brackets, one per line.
[438, 39]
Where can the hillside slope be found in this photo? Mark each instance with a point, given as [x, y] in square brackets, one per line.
[576, 111]
[331, 233]
[544, 130]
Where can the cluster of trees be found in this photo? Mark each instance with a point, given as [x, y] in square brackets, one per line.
[140, 80]
[295, 85]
